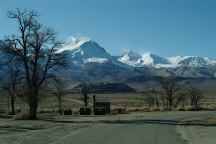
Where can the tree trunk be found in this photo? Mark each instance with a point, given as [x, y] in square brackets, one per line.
[196, 104]
[170, 103]
[33, 105]
[8, 103]
[60, 107]
[86, 100]
[157, 103]
[32, 112]
[167, 104]
[191, 103]
[12, 106]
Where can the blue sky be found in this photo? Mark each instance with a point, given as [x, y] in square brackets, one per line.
[164, 27]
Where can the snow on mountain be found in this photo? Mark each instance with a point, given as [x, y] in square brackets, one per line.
[148, 59]
[152, 59]
[145, 59]
[176, 59]
[191, 61]
[96, 60]
[209, 61]
[73, 43]
[84, 50]
[131, 58]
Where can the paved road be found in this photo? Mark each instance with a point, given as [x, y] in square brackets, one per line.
[160, 129]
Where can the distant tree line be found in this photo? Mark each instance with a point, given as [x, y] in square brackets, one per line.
[170, 94]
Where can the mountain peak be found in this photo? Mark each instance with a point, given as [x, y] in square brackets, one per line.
[131, 58]
[152, 59]
[83, 50]
[145, 59]
[74, 43]
[131, 55]
[74, 40]
[191, 61]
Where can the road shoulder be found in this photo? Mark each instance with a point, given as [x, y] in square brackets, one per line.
[198, 130]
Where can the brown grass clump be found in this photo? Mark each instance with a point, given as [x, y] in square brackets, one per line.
[76, 111]
[22, 116]
[155, 109]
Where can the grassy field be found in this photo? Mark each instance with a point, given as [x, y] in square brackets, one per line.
[48, 104]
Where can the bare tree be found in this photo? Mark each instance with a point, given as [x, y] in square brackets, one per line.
[11, 81]
[180, 98]
[150, 97]
[59, 92]
[170, 87]
[85, 91]
[195, 96]
[35, 46]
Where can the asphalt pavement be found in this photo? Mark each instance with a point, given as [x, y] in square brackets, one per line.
[160, 129]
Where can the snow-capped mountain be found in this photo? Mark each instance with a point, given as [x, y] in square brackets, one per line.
[83, 50]
[191, 61]
[73, 43]
[131, 58]
[144, 59]
[148, 59]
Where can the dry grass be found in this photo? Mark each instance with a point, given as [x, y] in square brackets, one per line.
[22, 116]
[202, 121]
[132, 101]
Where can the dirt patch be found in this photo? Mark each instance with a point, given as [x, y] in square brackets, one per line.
[198, 134]
[198, 130]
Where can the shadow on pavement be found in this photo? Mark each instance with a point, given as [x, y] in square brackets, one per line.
[6, 116]
[157, 121]
[136, 122]
[17, 128]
